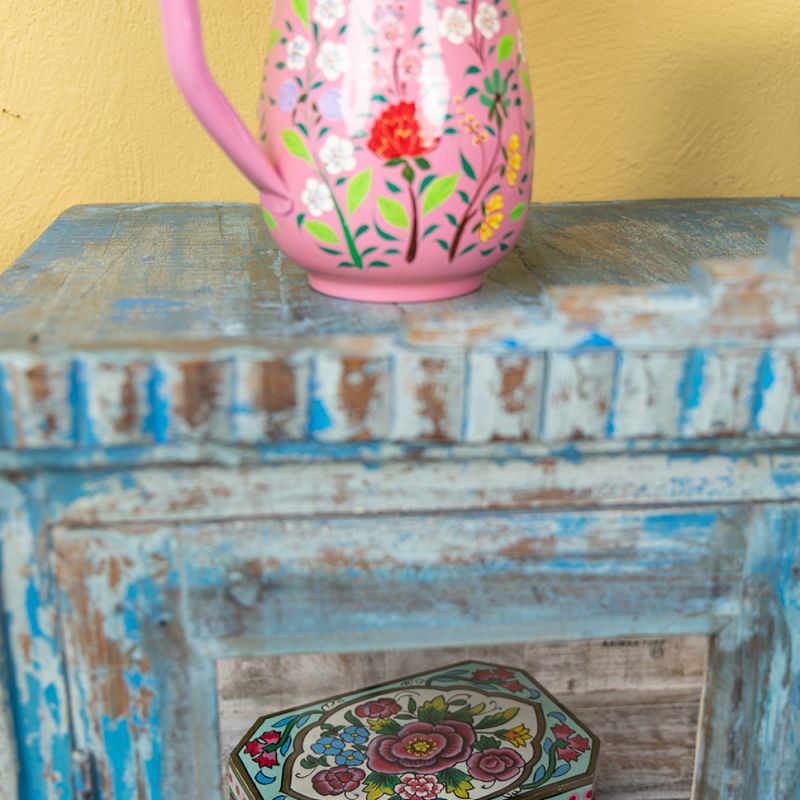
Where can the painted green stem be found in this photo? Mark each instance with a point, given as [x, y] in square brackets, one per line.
[551, 768]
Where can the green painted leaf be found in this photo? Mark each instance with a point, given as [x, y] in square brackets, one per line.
[505, 48]
[384, 726]
[300, 8]
[485, 742]
[377, 785]
[467, 167]
[518, 211]
[526, 79]
[456, 782]
[322, 231]
[274, 38]
[496, 720]
[393, 212]
[433, 711]
[440, 191]
[295, 145]
[270, 220]
[351, 718]
[513, 6]
[357, 191]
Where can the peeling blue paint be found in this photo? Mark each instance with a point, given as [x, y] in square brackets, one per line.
[82, 429]
[690, 390]
[7, 433]
[569, 453]
[765, 380]
[611, 425]
[126, 305]
[117, 741]
[595, 341]
[156, 423]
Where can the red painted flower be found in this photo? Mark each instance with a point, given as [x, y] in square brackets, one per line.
[397, 134]
[569, 745]
[258, 749]
[501, 676]
[495, 764]
[422, 748]
[337, 780]
[378, 709]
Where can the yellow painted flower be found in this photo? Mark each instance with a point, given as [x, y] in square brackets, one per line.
[518, 736]
[493, 218]
[514, 160]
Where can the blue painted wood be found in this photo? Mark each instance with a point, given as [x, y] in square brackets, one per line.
[211, 272]
[201, 459]
[34, 654]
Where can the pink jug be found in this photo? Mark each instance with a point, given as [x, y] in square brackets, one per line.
[395, 161]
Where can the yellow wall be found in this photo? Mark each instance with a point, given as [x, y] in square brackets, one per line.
[636, 98]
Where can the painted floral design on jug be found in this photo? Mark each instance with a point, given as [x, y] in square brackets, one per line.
[404, 131]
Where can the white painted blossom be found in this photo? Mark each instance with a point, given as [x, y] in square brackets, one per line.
[329, 12]
[297, 52]
[317, 198]
[455, 25]
[487, 20]
[334, 60]
[338, 155]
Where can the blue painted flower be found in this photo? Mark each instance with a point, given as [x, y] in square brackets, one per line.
[328, 746]
[288, 96]
[331, 105]
[350, 758]
[355, 734]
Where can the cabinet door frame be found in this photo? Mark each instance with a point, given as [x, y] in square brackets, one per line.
[140, 604]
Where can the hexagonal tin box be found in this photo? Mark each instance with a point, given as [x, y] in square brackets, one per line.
[470, 731]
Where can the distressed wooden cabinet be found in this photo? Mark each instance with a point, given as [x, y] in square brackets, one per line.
[203, 460]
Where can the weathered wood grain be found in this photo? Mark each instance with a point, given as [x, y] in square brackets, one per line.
[40, 712]
[504, 397]
[598, 302]
[649, 395]
[642, 695]
[232, 284]
[428, 397]
[351, 398]
[750, 730]
[436, 485]
[580, 390]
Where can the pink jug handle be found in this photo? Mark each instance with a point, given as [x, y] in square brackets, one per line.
[184, 43]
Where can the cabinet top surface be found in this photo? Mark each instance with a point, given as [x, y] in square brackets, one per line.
[182, 275]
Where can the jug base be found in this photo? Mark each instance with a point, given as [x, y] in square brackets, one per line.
[348, 289]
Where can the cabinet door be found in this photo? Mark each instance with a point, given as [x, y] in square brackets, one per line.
[148, 610]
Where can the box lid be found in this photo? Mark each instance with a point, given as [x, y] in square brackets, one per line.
[469, 731]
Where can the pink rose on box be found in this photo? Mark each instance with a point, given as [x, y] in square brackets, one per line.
[337, 780]
[418, 787]
[495, 764]
[422, 748]
[378, 709]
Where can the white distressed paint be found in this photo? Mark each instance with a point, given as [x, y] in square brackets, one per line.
[726, 400]
[41, 397]
[503, 397]
[365, 379]
[427, 395]
[647, 397]
[401, 486]
[579, 395]
[779, 413]
[116, 391]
